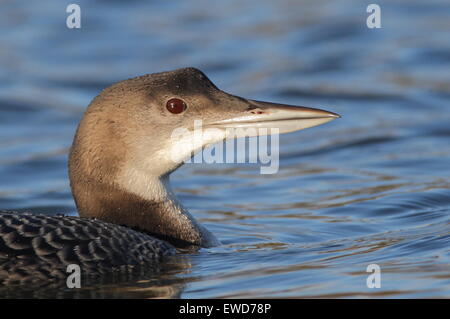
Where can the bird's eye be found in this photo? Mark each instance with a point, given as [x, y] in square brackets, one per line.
[176, 106]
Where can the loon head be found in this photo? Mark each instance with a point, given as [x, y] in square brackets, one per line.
[135, 133]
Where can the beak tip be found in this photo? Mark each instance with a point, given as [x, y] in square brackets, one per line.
[334, 115]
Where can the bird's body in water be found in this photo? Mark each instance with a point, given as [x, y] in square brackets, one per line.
[119, 167]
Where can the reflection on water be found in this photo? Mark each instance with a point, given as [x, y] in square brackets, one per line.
[371, 187]
[151, 281]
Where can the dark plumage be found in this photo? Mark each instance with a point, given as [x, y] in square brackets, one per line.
[54, 242]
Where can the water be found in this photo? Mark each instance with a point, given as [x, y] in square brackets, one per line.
[372, 187]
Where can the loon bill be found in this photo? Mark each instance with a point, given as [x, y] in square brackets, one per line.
[119, 167]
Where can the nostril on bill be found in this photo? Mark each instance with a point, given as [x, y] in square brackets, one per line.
[254, 110]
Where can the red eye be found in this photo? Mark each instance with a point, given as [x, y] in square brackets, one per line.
[176, 106]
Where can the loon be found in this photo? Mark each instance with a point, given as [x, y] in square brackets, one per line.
[119, 168]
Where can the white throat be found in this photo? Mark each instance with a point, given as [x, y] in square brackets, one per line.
[158, 189]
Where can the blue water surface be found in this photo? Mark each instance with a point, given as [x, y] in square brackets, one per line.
[370, 188]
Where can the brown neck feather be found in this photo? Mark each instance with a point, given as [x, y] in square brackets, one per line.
[164, 220]
[101, 149]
